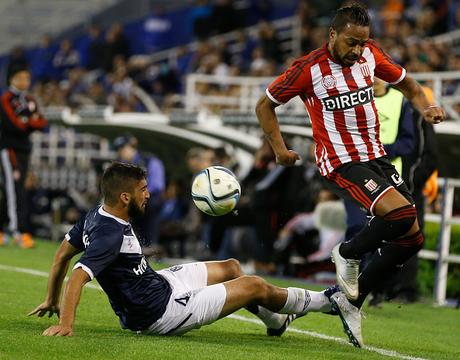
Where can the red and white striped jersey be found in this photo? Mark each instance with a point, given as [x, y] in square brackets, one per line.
[340, 102]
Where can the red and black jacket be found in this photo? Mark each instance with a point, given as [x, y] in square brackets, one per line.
[19, 117]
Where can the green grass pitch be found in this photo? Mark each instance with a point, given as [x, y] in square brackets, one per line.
[396, 331]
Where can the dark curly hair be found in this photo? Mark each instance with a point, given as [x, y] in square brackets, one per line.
[120, 177]
[352, 14]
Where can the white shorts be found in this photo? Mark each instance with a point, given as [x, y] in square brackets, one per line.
[192, 303]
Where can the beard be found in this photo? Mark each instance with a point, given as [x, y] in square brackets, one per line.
[135, 211]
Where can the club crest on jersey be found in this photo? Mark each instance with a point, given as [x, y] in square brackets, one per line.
[365, 70]
[329, 82]
[371, 185]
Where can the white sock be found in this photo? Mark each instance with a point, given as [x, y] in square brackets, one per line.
[269, 318]
[319, 302]
[301, 301]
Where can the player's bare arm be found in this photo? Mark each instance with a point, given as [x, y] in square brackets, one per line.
[61, 262]
[69, 304]
[413, 91]
[266, 115]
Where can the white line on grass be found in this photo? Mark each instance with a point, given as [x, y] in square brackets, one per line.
[39, 273]
[384, 352]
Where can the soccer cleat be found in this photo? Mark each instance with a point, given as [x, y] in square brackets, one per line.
[347, 273]
[350, 316]
[331, 290]
[280, 331]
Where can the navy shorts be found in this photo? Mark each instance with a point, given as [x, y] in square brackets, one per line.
[366, 182]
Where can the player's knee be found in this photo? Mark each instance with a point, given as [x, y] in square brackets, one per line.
[401, 220]
[233, 267]
[258, 287]
[414, 241]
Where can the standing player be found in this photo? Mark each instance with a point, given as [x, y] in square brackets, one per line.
[19, 117]
[335, 83]
[175, 300]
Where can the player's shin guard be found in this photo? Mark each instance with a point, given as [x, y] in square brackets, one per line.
[385, 262]
[393, 225]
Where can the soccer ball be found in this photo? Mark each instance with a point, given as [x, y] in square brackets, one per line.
[215, 190]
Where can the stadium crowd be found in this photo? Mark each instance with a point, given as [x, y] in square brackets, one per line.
[100, 67]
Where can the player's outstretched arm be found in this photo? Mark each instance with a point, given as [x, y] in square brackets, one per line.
[56, 277]
[268, 121]
[70, 302]
[412, 90]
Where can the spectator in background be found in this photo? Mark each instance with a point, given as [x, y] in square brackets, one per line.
[270, 43]
[224, 16]
[420, 174]
[97, 94]
[172, 216]
[116, 45]
[312, 235]
[41, 63]
[19, 117]
[221, 235]
[95, 48]
[121, 83]
[199, 19]
[122, 97]
[262, 9]
[242, 51]
[157, 30]
[66, 58]
[127, 149]
[16, 59]
[197, 223]
[258, 63]
[275, 200]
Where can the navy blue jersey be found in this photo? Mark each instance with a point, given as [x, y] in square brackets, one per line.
[113, 255]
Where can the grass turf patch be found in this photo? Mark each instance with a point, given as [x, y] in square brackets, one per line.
[416, 330]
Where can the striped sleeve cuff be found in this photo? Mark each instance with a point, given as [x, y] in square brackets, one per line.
[85, 269]
[272, 98]
[403, 75]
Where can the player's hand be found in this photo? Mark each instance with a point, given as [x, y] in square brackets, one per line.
[58, 330]
[434, 114]
[44, 308]
[287, 159]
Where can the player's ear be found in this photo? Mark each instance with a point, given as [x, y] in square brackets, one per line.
[125, 197]
[332, 34]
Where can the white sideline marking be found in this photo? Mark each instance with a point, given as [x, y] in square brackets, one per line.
[384, 352]
[40, 273]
